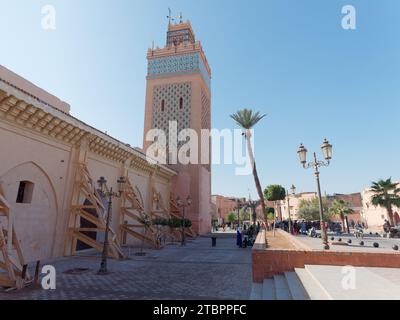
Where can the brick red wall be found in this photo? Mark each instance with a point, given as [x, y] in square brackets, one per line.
[267, 263]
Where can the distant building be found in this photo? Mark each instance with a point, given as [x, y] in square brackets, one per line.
[354, 201]
[224, 206]
[374, 217]
[294, 202]
[270, 204]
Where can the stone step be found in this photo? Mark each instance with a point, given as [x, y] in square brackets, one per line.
[282, 291]
[268, 289]
[356, 283]
[296, 287]
[312, 287]
[256, 291]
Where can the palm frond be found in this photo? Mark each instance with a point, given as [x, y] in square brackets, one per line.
[385, 193]
[246, 118]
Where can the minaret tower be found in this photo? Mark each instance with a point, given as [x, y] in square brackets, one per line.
[178, 88]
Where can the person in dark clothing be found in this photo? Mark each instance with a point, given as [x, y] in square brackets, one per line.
[239, 241]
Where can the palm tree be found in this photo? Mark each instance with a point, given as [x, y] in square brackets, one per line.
[340, 208]
[386, 194]
[247, 119]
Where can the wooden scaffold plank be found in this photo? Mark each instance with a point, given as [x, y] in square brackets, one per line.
[132, 210]
[93, 212]
[11, 256]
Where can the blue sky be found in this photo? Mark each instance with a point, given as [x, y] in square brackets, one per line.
[287, 58]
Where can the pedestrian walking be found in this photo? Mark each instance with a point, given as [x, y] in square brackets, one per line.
[239, 241]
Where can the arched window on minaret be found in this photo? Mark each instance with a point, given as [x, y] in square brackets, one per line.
[180, 103]
[162, 105]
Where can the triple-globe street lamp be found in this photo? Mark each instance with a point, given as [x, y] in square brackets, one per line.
[102, 182]
[316, 164]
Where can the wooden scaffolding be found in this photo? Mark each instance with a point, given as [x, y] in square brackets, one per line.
[138, 223]
[87, 206]
[13, 269]
[159, 210]
[177, 213]
[135, 221]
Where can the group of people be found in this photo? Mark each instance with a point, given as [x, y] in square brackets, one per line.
[246, 237]
[303, 226]
[297, 226]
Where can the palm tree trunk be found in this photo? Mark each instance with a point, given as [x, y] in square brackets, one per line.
[255, 174]
[390, 216]
[342, 218]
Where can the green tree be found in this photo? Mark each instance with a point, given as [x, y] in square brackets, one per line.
[269, 214]
[386, 194]
[232, 217]
[275, 193]
[244, 215]
[179, 223]
[247, 119]
[340, 208]
[309, 209]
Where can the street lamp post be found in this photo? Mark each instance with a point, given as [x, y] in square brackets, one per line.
[183, 205]
[316, 164]
[238, 207]
[110, 194]
[293, 192]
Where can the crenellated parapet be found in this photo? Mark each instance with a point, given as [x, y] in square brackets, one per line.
[182, 55]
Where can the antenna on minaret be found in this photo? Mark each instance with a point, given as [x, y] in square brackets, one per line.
[169, 17]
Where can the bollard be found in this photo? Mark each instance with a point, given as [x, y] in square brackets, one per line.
[214, 241]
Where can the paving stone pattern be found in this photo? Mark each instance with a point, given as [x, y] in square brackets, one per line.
[195, 271]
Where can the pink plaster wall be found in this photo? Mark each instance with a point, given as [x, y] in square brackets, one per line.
[41, 225]
[38, 93]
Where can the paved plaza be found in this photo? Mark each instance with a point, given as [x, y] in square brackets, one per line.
[385, 244]
[195, 271]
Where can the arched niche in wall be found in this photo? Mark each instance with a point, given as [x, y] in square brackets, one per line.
[33, 202]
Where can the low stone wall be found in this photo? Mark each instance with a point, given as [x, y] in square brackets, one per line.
[260, 243]
[267, 262]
